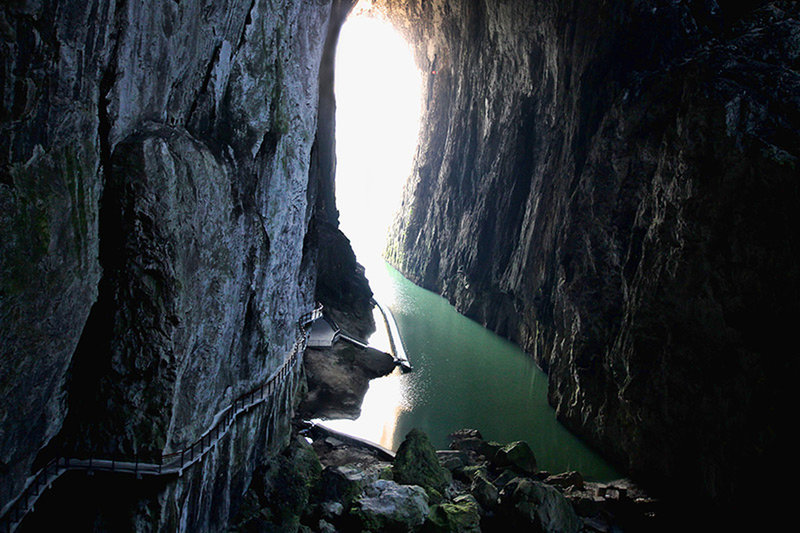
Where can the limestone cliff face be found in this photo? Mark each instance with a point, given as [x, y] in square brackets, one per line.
[154, 169]
[614, 186]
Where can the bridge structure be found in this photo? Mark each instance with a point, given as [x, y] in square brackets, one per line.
[169, 464]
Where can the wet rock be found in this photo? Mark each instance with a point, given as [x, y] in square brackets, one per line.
[388, 506]
[517, 455]
[416, 463]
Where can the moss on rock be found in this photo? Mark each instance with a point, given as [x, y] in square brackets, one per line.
[461, 516]
[416, 463]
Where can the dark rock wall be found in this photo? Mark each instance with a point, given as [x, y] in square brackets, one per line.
[614, 186]
[154, 247]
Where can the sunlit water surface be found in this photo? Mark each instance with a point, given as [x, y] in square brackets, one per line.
[464, 376]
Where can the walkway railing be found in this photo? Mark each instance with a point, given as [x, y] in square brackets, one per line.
[398, 351]
[168, 464]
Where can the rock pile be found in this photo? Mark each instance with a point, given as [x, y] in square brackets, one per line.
[475, 486]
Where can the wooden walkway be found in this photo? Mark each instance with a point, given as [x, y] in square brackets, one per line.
[174, 463]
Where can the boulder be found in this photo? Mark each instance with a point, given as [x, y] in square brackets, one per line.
[468, 444]
[338, 378]
[477, 470]
[489, 450]
[344, 484]
[325, 527]
[461, 516]
[504, 477]
[517, 455]
[484, 491]
[388, 506]
[416, 464]
[453, 460]
[530, 504]
[331, 510]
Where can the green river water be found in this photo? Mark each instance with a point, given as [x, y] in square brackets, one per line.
[465, 376]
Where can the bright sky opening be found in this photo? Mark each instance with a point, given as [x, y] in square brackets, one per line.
[377, 87]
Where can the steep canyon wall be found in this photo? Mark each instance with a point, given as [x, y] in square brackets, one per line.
[614, 186]
[155, 251]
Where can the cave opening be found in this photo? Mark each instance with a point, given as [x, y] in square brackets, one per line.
[377, 87]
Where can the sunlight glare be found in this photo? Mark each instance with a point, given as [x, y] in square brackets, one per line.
[377, 87]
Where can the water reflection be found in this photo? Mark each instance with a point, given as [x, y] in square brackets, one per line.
[464, 376]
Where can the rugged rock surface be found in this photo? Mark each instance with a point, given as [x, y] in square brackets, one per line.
[614, 187]
[359, 492]
[282, 490]
[388, 506]
[156, 236]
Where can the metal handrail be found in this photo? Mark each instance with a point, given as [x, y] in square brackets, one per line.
[168, 464]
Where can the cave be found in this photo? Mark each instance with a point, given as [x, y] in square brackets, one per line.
[611, 186]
